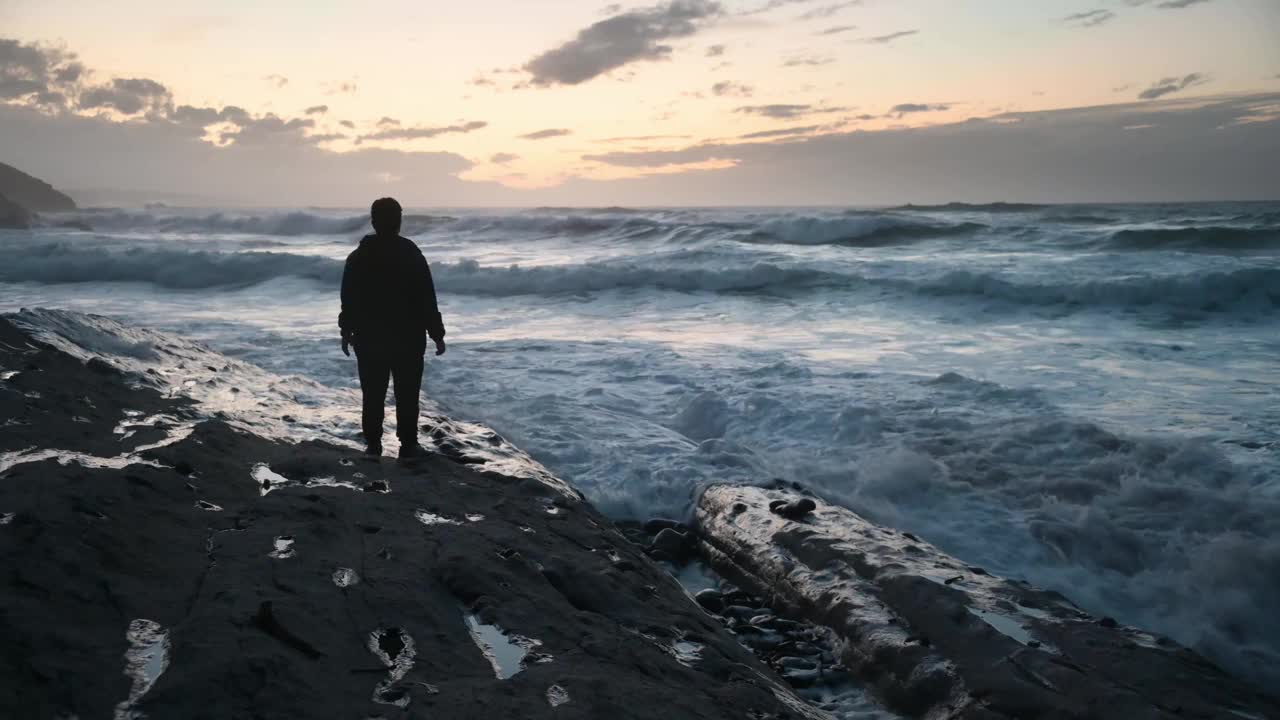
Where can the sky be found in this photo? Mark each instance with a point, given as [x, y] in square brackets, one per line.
[702, 102]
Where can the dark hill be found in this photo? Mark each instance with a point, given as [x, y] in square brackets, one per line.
[32, 193]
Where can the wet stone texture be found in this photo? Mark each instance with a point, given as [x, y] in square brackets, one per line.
[935, 638]
[326, 597]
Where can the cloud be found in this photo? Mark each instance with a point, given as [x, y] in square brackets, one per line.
[1196, 149]
[145, 159]
[202, 117]
[802, 130]
[1170, 85]
[347, 87]
[642, 138]
[316, 110]
[1167, 4]
[278, 80]
[715, 50]
[421, 133]
[385, 121]
[129, 96]
[544, 134]
[783, 111]
[347, 124]
[269, 129]
[633, 36]
[807, 61]
[503, 158]
[1090, 18]
[827, 11]
[732, 89]
[837, 30]
[886, 39]
[39, 75]
[908, 108]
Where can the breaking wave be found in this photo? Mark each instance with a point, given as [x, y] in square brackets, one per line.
[1204, 238]
[280, 223]
[857, 231]
[68, 262]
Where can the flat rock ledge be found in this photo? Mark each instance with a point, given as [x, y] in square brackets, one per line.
[157, 563]
[935, 638]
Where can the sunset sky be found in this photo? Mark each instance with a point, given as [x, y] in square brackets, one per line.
[560, 100]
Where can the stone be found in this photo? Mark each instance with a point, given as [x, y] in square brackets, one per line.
[793, 509]
[711, 600]
[672, 542]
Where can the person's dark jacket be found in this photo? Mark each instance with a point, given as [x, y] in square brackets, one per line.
[387, 291]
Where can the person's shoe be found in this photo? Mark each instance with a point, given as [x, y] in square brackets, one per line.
[410, 450]
[373, 449]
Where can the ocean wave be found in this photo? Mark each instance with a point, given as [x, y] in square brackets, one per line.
[70, 262]
[1245, 289]
[1205, 238]
[870, 230]
[275, 224]
[995, 207]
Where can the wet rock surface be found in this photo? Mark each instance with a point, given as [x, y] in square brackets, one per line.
[155, 574]
[804, 654]
[933, 637]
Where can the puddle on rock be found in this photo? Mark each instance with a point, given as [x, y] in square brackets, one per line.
[506, 653]
[1005, 625]
[206, 505]
[269, 480]
[429, 518]
[345, 577]
[557, 696]
[395, 648]
[145, 661]
[474, 517]
[686, 653]
[283, 547]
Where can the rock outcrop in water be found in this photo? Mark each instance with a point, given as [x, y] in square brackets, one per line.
[32, 193]
[159, 562]
[936, 638]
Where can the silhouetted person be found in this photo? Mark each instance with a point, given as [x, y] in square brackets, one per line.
[388, 310]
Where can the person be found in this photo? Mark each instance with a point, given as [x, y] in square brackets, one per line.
[388, 309]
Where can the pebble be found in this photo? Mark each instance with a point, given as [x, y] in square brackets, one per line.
[710, 600]
[672, 542]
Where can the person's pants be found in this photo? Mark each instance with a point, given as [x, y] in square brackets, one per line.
[383, 360]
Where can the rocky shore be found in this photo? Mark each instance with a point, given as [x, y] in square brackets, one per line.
[178, 540]
[159, 562]
[937, 638]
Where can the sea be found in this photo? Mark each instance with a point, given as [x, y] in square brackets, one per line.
[1081, 396]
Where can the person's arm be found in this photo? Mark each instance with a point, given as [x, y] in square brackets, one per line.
[431, 309]
[347, 316]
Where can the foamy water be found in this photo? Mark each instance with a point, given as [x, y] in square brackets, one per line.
[1082, 396]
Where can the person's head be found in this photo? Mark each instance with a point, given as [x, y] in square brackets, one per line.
[385, 214]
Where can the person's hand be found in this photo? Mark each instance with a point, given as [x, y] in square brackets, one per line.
[440, 348]
[346, 344]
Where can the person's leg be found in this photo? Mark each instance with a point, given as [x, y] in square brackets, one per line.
[375, 371]
[407, 369]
